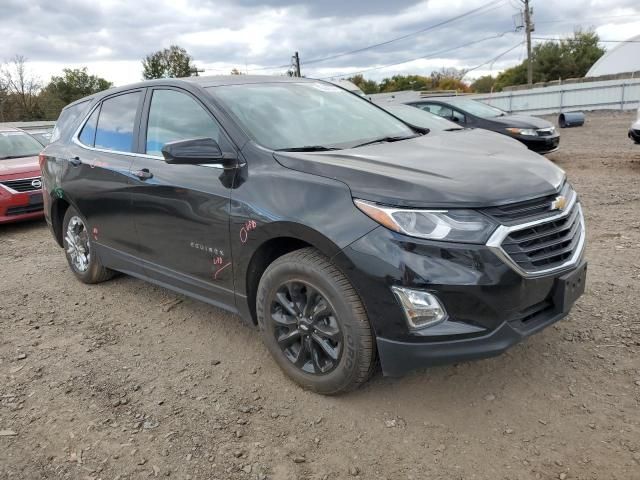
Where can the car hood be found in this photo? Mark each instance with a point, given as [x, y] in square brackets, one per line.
[434, 171]
[22, 165]
[482, 140]
[522, 121]
[636, 125]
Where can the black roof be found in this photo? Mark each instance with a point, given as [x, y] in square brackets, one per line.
[204, 82]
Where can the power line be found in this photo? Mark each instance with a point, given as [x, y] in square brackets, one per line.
[418, 58]
[564, 20]
[494, 3]
[494, 59]
[577, 40]
[423, 30]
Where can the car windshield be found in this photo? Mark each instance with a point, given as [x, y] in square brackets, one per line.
[18, 144]
[478, 109]
[419, 118]
[307, 115]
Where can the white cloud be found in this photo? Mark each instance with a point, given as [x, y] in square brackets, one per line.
[111, 37]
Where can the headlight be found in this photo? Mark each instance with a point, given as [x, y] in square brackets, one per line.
[464, 226]
[527, 132]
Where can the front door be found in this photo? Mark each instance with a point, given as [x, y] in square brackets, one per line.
[181, 212]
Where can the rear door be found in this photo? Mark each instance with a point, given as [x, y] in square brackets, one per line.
[97, 179]
[181, 212]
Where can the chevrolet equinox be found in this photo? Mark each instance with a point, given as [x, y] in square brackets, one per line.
[346, 236]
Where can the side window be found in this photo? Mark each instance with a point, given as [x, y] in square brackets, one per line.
[116, 122]
[176, 116]
[88, 134]
[458, 117]
[427, 107]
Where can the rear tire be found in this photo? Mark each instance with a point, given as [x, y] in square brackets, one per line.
[314, 324]
[84, 263]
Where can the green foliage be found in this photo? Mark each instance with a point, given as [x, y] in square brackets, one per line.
[172, 62]
[75, 84]
[367, 86]
[568, 58]
[483, 84]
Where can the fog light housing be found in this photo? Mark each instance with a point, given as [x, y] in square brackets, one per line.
[421, 309]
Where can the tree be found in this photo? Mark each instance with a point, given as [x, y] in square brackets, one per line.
[72, 85]
[21, 90]
[568, 58]
[483, 84]
[76, 83]
[367, 86]
[172, 62]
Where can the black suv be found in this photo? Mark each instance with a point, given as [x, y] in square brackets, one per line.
[536, 133]
[343, 234]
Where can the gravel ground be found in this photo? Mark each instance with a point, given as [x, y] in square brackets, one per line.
[125, 380]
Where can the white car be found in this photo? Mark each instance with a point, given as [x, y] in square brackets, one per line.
[634, 131]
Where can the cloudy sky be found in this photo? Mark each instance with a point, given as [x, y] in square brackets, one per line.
[110, 37]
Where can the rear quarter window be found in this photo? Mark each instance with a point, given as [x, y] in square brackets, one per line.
[68, 119]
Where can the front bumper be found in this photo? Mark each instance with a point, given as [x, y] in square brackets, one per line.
[18, 206]
[634, 135]
[541, 144]
[490, 305]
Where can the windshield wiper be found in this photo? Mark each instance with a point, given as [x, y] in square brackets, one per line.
[13, 156]
[307, 148]
[385, 139]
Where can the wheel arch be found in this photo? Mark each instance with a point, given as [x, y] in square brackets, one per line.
[58, 209]
[278, 239]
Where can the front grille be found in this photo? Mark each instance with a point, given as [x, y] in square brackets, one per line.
[26, 209]
[528, 210]
[23, 184]
[546, 245]
[546, 132]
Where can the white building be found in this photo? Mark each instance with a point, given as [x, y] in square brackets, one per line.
[623, 58]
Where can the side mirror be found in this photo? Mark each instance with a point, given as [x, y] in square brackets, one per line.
[194, 151]
[455, 119]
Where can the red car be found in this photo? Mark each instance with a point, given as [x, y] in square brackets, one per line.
[20, 181]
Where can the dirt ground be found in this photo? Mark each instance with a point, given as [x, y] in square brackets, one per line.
[126, 380]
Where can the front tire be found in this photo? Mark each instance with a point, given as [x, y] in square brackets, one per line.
[83, 261]
[314, 324]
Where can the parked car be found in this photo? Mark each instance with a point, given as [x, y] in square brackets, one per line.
[475, 138]
[537, 134]
[20, 183]
[340, 232]
[634, 131]
[42, 135]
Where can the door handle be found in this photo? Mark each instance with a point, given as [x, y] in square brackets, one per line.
[75, 161]
[144, 174]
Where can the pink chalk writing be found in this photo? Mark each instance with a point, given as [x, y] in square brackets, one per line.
[246, 228]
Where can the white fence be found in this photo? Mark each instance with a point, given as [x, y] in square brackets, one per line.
[605, 95]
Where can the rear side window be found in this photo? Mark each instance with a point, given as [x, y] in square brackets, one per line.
[116, 122]
[67, 120]
[176, 116]
[88, 133]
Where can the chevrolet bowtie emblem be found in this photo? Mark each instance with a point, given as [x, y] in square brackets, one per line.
[559, 203]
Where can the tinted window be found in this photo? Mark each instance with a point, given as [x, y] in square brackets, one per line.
[88, 133]
[176, 116]
[421, 118]
[116, 122]
[67, 120]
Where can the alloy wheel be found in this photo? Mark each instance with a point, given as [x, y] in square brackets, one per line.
[306, 328]
[77, 243]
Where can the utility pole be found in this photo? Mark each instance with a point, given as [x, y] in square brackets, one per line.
[528, 25]
[296, 64]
